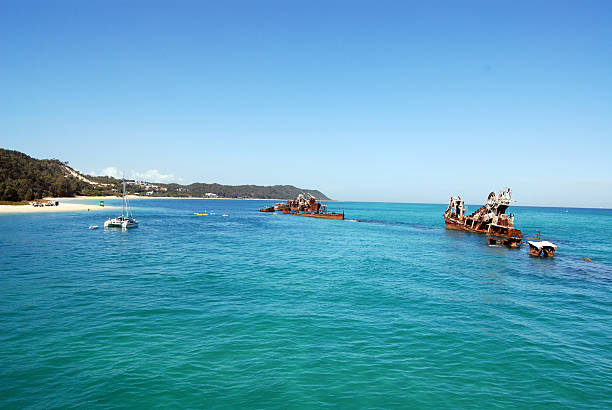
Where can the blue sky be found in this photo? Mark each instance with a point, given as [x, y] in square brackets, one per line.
[378, 101]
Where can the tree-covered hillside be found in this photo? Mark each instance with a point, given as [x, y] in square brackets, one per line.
[23, 178]
[244, 191]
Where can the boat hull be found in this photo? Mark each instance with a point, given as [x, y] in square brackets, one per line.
[321, 216]
[511, 241]
[490, 219]
[127, 226]
[546, 252]
[309, 208]
[538, 249]
[122, 225]
[512, 238]
[457, 225]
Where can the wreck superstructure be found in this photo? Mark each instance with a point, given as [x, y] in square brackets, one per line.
[308, 207]
[489, 219]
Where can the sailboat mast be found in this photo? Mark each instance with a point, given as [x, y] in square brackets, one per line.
[123, 199]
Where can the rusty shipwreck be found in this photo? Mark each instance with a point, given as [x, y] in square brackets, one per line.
[308, 207]
[490, 219]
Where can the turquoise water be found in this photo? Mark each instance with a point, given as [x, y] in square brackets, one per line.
[277, 311]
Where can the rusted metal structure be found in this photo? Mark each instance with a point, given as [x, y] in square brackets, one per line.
[266, 209]
[308, 207]
[489, 219]
[542, 248]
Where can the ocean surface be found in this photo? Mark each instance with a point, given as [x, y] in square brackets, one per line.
[276, 311]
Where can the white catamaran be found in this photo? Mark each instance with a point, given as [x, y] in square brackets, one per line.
[126, 220]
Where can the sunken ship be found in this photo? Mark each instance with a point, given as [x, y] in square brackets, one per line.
[490, 219]
[308, 207]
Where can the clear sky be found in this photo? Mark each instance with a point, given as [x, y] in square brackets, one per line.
[407, 101]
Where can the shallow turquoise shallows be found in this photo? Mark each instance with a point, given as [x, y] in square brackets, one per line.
[277, 311]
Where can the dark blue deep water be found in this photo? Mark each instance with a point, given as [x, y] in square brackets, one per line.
[278, 311]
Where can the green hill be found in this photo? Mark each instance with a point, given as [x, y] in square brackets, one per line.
[23, 178]
[241, 191]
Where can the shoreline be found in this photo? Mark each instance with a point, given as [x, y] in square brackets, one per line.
[62, 207]
[70, 204]
[160, 197]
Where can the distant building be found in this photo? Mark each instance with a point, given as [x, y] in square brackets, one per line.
[146, 185]
[211, 195]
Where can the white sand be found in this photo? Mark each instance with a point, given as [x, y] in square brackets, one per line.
[131, 196]
[62, 207]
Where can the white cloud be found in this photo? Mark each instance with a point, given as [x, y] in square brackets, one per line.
[111, 172]
[153, 175]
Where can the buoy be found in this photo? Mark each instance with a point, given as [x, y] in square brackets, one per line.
[225, 215]
[587, 259]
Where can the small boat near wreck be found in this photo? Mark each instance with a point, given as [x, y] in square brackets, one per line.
[309, 208]
[266, 209]
[489, 219]
[542, 248]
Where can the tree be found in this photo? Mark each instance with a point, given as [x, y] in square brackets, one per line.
[10, 194]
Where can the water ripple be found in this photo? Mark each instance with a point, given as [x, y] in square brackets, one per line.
[264, 311]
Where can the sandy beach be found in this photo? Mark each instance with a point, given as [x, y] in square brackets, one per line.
[64, 206]
[131, 196]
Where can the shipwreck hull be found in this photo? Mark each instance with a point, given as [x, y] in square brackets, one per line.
[490, 219]
[321, 216]
[462, 227]
[308, 207]
[512, 242]
[498, 235]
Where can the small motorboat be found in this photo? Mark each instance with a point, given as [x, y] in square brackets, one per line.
[93, 226]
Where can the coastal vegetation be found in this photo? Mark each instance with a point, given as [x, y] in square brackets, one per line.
[14, 203]
[23, 178]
